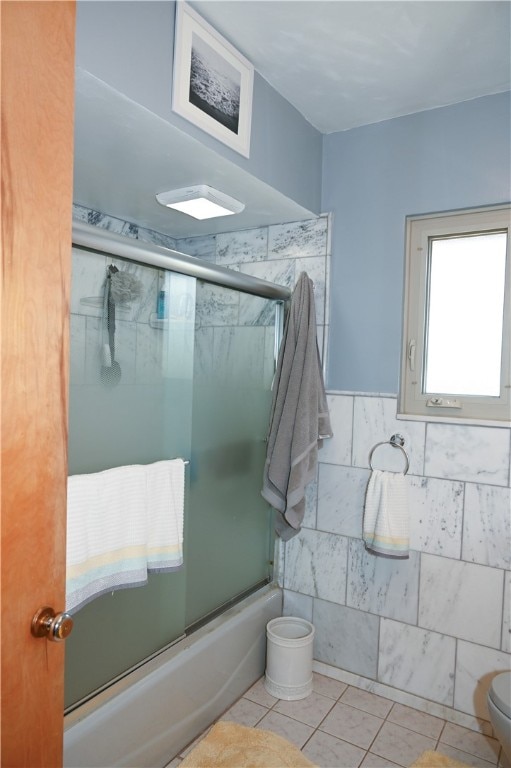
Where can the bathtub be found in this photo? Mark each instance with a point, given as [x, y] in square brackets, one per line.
[146, 718]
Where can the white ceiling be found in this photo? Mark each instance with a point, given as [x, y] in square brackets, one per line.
[341, 63]
[347, 63]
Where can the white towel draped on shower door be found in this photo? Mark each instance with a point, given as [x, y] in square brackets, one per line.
[121, 524]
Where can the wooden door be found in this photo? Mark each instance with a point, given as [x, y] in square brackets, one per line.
[37, 80]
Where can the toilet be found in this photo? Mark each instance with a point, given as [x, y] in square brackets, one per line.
[499, 706]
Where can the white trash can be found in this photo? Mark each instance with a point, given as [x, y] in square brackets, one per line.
[289, 658]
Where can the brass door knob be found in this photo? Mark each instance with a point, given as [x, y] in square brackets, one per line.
[53, 626]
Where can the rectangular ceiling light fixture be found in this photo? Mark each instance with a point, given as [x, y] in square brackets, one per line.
[201, 202]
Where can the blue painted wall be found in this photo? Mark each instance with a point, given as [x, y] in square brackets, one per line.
[130, 46]
[374, 176]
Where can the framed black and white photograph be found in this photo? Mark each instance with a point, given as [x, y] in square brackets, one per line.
[213, 82]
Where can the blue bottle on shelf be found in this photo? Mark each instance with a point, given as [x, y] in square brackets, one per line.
[161, 307]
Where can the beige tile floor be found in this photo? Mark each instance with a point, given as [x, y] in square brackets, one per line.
[338, 726]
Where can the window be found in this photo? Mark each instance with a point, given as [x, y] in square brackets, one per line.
[456, 339]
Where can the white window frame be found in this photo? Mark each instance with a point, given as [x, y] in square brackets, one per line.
[412, 401]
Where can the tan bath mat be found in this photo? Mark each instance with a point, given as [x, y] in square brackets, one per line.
[229, 745]
[436, 760]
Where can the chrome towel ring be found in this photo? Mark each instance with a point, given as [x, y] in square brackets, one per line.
[396, 441]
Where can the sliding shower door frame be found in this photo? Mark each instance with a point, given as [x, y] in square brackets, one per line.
[93, 241]
[93, 238]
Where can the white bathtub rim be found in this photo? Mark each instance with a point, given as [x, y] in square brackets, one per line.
[143, 676]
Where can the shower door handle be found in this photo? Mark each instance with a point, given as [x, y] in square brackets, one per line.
[53, 626]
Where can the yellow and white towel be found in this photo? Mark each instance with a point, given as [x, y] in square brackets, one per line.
[386, 514]
[121, 524]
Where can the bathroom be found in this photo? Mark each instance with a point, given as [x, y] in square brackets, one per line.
[426, 632]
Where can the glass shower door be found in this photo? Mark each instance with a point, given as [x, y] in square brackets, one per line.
[195, 383]
[143, 417]
[230, 536]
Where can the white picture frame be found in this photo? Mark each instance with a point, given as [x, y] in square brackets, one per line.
[212, 81]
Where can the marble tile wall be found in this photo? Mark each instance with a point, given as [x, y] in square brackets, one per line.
[431, 630]
[278, 253]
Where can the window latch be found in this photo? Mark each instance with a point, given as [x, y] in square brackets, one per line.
[412, 344]
[443, 402]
